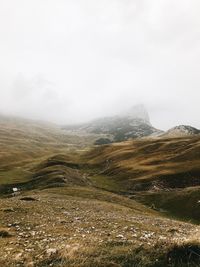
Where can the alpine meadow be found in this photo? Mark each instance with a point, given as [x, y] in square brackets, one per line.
[99, 133]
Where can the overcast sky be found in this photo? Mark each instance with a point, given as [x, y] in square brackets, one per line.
[72, 60]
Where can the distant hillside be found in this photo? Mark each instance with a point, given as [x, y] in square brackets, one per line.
[181, 130]
[147, 164]
[163, 173]
[25, 142]
[131, 124]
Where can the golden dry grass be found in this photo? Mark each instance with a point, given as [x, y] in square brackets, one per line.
[73, 209]
[80, 226]
[142, 164]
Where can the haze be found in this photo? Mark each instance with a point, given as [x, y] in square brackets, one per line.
[69, 61]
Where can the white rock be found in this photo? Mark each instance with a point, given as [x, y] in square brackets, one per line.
[120, 236]
[15, 189]
[51, 251]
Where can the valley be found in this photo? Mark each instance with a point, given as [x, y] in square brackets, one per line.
[124, 204]
[99, 133]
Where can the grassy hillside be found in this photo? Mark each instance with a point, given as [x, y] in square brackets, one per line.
[83, 208]
[161, 173]
[150, 164]
[184, 203]
[25, 143]
[82, 226]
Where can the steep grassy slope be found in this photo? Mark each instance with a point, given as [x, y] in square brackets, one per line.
[162, 173]
[149, 164]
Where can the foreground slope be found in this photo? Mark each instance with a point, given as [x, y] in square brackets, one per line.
[79, 226]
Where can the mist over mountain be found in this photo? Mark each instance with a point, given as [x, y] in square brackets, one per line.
[133, 123]
[137, 112]
[81, 59]
[99, 133]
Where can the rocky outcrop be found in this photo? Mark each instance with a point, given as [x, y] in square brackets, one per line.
[181, 130]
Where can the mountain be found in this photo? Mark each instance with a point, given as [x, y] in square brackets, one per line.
[104, 207]
[181, 130]
[138, 112]
[131, 124]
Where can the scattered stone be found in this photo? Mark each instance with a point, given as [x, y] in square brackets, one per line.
[172, 230]
[28, 199]
[4, 233]
[30, 264]
[120, 236]
[16, 192]
[18, 256]
[51, 251]
[8, 210]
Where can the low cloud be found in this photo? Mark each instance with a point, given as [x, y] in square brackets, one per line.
[71, 61]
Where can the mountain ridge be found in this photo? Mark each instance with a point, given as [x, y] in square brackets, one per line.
[133, 123]
[181, 130]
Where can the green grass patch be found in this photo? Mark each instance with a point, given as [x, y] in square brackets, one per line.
[16, 175]
[181, 204]
[105, 182]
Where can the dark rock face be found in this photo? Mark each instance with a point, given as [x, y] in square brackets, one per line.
[103, 141]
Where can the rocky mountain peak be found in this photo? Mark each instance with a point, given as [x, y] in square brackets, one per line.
[138, 112]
